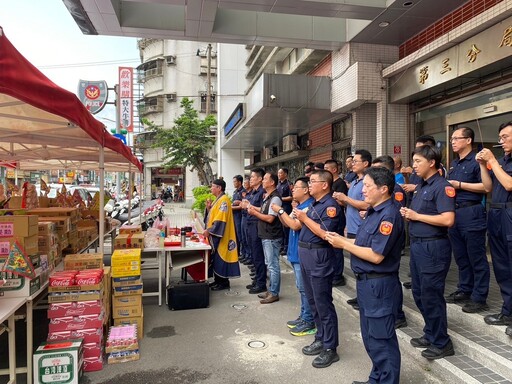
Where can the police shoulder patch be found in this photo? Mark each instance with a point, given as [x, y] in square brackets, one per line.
[223, 207]
[331, 212]
[386, 228]
[450, 191]
[399, 196]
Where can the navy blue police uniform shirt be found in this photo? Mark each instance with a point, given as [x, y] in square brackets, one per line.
[382, 230]
[283, 187]
[237, 195]
[325, 212]
[255, 198]
[432, 197]
[466, 170]
[399, 195]
[499, 193]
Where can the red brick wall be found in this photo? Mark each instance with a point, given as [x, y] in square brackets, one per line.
[324, 68]
[320, 157]
[320, 137]
[446, 24]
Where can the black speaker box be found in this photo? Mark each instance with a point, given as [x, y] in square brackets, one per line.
[188, 295]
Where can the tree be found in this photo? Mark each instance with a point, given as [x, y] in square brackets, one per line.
[188, 142]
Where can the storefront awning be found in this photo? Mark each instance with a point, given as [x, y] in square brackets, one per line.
[278, 105]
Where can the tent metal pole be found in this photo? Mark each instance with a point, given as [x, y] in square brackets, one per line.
[102, 201]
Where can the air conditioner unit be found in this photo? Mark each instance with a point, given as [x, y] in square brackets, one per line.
[289, 143]
[171, 97]
[170, 59]
[266, 153]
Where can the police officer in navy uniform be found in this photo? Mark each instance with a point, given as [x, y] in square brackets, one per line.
[431, 212]
[237, 211]
[317, 265]
[255, 198]
[499, 221]
[468, 234]
[375, 260]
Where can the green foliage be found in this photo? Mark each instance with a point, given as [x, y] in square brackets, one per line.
[188, 143]
[201, 194]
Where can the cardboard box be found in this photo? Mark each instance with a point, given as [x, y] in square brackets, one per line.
[130, 229]
[45, 228]
[127, 301]
[129, 241]
[29, 244]
[92, 364]
[18, 225]
[127, 290]
[121, 357]
[127, 280]
[73, 323]
[83, 261]
[62, 223]
[58, 362]
[19, 286]
[94, 335]
[126, 262]
[72, 213]
[133, 320]
[47, 241]
[73, 308]
[59, 297]
[128, 311]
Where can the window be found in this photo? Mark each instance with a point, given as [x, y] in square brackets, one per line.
[213, 102]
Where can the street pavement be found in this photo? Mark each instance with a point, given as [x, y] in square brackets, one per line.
[213, 345]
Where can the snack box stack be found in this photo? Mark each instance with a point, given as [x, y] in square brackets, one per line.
[127, 288]
[21, 229]
[87, 231]
[66, 226]
[129, 241]
[33, 273]
[48, 241]
[59, 362]
[122, 344]
[78, 305]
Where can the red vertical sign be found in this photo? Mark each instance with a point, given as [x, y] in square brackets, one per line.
[126, 98]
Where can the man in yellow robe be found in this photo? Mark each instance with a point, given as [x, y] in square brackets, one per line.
[220, 229]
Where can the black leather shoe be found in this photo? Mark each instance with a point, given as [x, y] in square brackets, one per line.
[420, 342]
[360, 382]
[220, 287]
[326, 358]
[255, 290]
[458, 297]
[508, 331]
[498, 319]
[352, 301]
[355, 306]
[249, 286]
[212, 284]
[433, 353]
[474, 307]
[401, 323]
[252, 274]
[407, 285]
[315, 348]
[339, 282]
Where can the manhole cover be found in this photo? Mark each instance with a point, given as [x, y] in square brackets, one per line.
[256, 344]
[239, 306]
[232, 293]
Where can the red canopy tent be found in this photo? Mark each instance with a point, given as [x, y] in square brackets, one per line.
[41, 122]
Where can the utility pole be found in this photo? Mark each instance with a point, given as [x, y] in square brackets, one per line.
[209, 79]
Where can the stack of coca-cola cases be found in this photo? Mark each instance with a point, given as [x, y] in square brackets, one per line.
[79, 319]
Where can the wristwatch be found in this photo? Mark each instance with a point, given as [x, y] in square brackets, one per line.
[280, 212]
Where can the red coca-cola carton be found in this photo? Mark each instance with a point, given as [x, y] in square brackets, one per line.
[93, 364]
[90, 335]
[93, 350]
[62, 335]
[61, 280]
[74, 308]
[86, 279]
[71, 323]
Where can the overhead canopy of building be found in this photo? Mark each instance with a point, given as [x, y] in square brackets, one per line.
[278, 105]
[314, 24]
